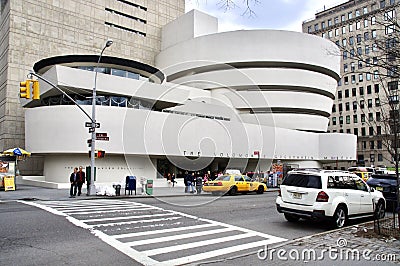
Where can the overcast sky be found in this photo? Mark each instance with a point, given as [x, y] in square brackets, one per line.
[269, 14]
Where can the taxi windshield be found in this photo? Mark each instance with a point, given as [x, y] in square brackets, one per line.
[223, 178]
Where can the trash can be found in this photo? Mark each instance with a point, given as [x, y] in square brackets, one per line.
[117, 190]
[149, 187]
[130, 184]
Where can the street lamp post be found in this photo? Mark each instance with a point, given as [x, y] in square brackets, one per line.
[92, 187]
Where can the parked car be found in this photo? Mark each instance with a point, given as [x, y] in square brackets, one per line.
[233, 184]
[331, 195]
[386, 183]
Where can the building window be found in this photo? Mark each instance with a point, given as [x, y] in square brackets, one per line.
[336, 32]
[351, 40]
[367, 62]
[391, 2]
[373, 33]
[353, 79]
[347, 106]
[344, 42]
[344, 55]
[362, 104]
[361, 90]
[369, 90]
[343, 18]
[368, 76]
[366, 49]
[373, 20]
[376, 86]
[341, 120]
[380, 157]
[376, 74]
[346, 80]
[364, 144]
[378, 116]
[358, 25]
[362, 118]
[343, 29]
[353, 92]
[340, 107]
[370, 117]
[382, 3]
[309, 29]
[377, 102]
[347, 119]
[346, 93]
[339, 94]
[360, 77]
[350, 27]
[336, 20]
[374, 47]
[355, 119]
[334, 108]
[329, 22]
[393, 85]
[334, 121]
[366, 36]
[365, 23]
[389, 29]
[348, 131]
[355, 105]
[358, 38]
[330, 34]
[371, 131]
[363, 132]
[345, 68]
[356, 131]
[369, 103]
[358, 13]
[365, 10]
[372, 144]
[379, 130]
[379, 144]
[350, 15]
[323, 24]
[353, 67]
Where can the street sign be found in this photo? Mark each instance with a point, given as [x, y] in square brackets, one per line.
[101, 135]
[91, 129]
[89, 141]
[90, 124]
[103, 138]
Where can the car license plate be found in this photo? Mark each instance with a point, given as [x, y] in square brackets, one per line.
[296, 195]
[379, 188]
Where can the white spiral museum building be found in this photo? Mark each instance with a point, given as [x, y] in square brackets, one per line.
[211, 101]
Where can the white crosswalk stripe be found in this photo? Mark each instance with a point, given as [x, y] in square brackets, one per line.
[152, 235]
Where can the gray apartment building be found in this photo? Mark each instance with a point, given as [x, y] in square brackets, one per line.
[31, 30]
[359, 106]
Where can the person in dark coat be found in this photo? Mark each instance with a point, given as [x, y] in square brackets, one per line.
[73, 180]
[199, 183]
[80, 180]
[185, 181]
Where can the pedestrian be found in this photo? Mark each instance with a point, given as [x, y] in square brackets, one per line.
[185, 181]
[73, 180]
[199, 184]
[80, 180]
[173, 180]
[191, 183]
[169, 179]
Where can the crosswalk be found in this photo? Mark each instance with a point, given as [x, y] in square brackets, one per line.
[156, 236]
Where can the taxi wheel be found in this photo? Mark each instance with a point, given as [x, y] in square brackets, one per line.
[260, 190]
[233, 191]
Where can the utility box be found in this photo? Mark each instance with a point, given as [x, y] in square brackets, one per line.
[149, 187]
[88, 174]
[130, 184]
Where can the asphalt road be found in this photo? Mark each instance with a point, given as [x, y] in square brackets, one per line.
[149, 230]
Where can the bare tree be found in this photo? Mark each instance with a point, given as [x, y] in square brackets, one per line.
[376, 56]
[227, 5]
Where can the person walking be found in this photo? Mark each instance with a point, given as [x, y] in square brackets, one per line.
[190, 182]
[73, 180]
[199, 183]
[80, 180]
[185, 181]
[173, 180]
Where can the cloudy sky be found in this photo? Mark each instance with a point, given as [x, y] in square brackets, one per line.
[269, 14]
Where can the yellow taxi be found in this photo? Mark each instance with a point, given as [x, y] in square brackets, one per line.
[233, 184]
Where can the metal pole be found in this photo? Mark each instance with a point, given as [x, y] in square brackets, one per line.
[92, 187]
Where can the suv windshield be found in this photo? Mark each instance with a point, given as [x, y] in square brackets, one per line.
[302, 180]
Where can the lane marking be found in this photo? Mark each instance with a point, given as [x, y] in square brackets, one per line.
[108, 211]
[125, 217]
[157, 251]
[176, 237]
[161, 231]
[135, 222]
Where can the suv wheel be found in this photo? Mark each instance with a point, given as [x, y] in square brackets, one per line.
[379, 210]
[291, 217]
[340, 217]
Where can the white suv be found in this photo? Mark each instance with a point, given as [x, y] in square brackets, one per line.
[326, 194]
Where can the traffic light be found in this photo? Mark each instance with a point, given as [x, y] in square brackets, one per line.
[35, 90]
[101, 154]
[25, 89]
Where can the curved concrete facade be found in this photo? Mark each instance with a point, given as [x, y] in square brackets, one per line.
[267, 71]
[225, 97]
